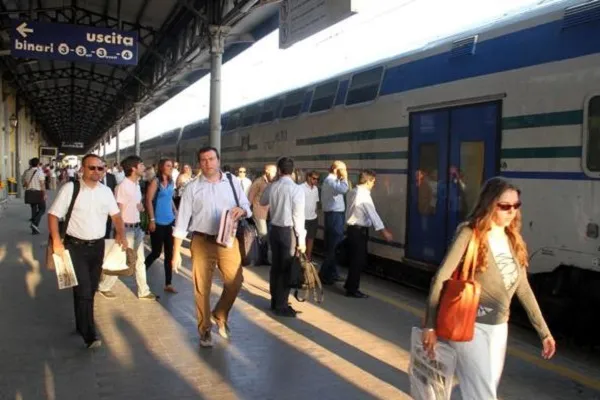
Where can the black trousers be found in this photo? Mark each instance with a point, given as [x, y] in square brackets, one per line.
[161, 238]
[37, 211]
[87, 262]
[358, 238]
[283, 248]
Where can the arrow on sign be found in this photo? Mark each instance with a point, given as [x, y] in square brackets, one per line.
[24, 30]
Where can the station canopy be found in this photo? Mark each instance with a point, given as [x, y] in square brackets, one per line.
[76, 94]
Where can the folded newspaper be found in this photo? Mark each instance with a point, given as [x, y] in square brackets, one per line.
[65, 273]
[431, 379]
[227, 229]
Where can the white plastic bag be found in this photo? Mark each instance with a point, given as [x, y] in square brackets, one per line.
[430, 379]
[65, 273]
[115, 258]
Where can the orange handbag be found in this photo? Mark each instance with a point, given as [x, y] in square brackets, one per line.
[460, 300]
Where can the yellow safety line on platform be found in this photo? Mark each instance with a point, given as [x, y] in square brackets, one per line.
[523, 355]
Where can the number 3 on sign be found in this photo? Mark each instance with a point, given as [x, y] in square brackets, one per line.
[63, 49]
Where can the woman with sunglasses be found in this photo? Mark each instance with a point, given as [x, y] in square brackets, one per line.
[501, 270]
[161, 212]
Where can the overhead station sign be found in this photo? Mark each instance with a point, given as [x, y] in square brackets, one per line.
[299, 19]
[32, 39]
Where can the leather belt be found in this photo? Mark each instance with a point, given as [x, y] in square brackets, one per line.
[136, 225]
[81, 242]
[204, 235]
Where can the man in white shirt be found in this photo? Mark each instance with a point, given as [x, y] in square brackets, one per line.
[202, 203]
[175, 173]
[360, 215]
[333, 189]
[34, 179]
[246, 183]
[129, 199]
[287, 232]
[85, 238]
[311, 222]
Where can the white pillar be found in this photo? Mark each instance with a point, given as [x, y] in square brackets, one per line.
[137, 130]
[4, 153]
[217, 46]
[118, 149]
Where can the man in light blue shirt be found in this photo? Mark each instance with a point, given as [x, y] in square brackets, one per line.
[202, 203]
[332, 198]
[286, 206]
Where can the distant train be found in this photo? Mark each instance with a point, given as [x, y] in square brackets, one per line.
[520, 98]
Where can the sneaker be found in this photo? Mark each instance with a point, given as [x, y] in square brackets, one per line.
[149, 296]
[94, 344]
[206, 339]
[107, 294]
[222, 326]
[34, 229]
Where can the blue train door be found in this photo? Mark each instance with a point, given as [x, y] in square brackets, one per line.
[452, 152]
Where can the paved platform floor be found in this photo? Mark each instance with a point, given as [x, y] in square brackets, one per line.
[346, 349]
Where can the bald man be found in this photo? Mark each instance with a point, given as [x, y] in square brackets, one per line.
[333, 189]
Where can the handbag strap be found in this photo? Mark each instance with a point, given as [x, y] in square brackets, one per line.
[237, 201]
[63, 231]
[469, 266]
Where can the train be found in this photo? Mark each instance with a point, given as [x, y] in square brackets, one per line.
[518, 98]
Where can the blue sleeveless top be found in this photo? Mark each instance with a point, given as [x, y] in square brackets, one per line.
[163, 204]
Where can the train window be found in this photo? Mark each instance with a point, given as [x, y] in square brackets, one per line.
[427, 179]
[364, 86]
[250, 114]
[269, 111]
[293, 104]
[593, 138]
[324, 96]
[234, 121]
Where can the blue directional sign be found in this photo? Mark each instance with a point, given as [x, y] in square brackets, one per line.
[32, 39]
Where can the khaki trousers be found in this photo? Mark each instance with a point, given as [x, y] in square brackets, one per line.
[205, 255]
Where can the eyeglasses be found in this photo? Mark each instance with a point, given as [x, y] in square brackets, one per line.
[316, 178]
[507, 207]
[95, 168]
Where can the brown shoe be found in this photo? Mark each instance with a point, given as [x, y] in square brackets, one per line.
[170, 289]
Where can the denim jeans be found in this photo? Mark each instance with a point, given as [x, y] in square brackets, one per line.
[334, 234]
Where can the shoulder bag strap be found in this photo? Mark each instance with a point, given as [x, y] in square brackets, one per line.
[76, 187]
[470, 262]
[31, 179]
[233, 188]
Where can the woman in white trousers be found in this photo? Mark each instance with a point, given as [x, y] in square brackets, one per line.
[501, 271]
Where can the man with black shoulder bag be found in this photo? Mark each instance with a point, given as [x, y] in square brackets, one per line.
[85, 212]
[34, 183]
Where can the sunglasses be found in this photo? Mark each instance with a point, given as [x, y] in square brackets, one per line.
[241, 171]
[507, 207]
[95, 168]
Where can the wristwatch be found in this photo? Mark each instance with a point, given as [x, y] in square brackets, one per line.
[152, 220]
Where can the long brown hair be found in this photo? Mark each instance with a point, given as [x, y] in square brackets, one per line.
[480, 220]
[161, 170]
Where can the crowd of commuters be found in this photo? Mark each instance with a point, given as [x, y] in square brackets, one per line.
[283, 204]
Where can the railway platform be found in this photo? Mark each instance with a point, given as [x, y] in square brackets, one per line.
[342, 349]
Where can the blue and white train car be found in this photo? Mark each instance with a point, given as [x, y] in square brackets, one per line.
[520, 99]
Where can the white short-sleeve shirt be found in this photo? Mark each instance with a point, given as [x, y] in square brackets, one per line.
[92, 207]
[311, 196]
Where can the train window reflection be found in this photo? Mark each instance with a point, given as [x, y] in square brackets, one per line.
[427, 178]
[593, 139]
[469, 175]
